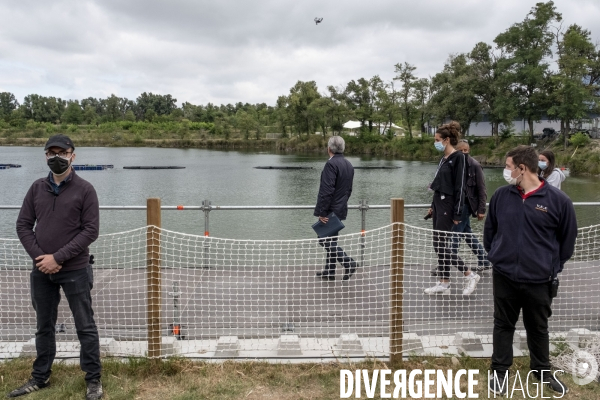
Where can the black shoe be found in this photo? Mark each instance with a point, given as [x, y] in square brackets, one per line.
[326, 275]
[552, 382]
[94, 390]
[434, 272]
[351, 271]
[31, 386]
[498, 385]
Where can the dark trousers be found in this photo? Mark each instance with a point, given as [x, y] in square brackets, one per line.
[443, 224]
[534, 299]
[464, 226]
[45, 296]
[335, 254]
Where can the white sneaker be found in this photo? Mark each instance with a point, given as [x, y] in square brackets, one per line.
[438, 289]
[471, 283]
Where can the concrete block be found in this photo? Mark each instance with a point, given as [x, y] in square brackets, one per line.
[228, 346]
[105, 346]
[520, 340]
[289, 345]
[29, 349]
[168, 346]
[349, 344]
[468, 341]
[580, 338]
[411, 343]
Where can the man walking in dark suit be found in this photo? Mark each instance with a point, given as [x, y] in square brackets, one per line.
[334, 192]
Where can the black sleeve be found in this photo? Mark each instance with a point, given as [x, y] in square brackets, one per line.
[25, 223]
[491, 225]
[566, 233]
[481, 190]
[460, 170]
[326, 190]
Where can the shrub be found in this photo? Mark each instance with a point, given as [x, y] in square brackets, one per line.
[579, 139]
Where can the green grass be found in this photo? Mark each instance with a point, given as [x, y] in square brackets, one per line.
[181, 379]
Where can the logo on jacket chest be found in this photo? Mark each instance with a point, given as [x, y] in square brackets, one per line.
[541, 208]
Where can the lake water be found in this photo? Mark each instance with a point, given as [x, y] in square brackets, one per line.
[229, 178]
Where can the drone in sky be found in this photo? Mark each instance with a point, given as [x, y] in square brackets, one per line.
[318, 20]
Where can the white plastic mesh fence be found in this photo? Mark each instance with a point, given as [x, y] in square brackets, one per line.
[261, 298]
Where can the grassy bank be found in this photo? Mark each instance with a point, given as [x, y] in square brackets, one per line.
[586, 160]
[186, 380]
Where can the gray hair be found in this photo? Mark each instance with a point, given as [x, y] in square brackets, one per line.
[336, 144]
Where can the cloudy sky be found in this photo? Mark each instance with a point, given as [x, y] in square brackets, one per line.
[246, 50]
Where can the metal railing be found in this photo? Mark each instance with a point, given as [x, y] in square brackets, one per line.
[207, 207]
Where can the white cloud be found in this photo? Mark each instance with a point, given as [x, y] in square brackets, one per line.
[229, 51]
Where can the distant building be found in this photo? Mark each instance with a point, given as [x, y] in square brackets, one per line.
[484, 127]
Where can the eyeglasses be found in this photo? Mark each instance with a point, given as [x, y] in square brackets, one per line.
[62, 154]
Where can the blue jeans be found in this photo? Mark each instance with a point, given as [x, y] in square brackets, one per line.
[335, 254]
[45, 296]
[464, 226]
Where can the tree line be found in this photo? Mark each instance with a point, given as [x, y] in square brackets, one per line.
[535, 68]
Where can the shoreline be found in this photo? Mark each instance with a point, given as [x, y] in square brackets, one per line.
[585, 161]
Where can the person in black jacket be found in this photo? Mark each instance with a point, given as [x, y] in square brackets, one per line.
[447, 207]
[58, 221]
[476, 197]
[529, 235]
[334, 192]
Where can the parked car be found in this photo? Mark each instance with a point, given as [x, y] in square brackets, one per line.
[548, 133]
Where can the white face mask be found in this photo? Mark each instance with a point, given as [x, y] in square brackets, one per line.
[508, 176]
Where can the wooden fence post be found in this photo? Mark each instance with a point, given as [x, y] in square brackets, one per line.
[396, 280]
[153, 218]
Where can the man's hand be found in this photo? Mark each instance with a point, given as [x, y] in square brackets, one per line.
[323, 219]
[47, 264]
[480, 217]
[456, 222]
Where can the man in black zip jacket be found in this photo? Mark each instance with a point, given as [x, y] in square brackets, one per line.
[529, 235]
[475, 199]
[334, 192]
[64, 210]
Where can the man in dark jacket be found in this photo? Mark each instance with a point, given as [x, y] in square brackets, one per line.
[64, 210]
[529, 235]
[334, 192]
[476, 197]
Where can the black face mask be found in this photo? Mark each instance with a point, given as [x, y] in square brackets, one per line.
[58, 165]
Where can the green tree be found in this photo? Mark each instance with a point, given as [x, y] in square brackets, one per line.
[407, 79]
[281, 113]
[422, 95]
[73, 113]
[490, 87]
[527, 46]
[360, 98]
[321, 111]
[245, 123]
[340, 112]
[129, 116]
[302, 94]
[8, 103]
[573, 94]
[43, 109]
[89, 114]
[159, 104]
[453, 93]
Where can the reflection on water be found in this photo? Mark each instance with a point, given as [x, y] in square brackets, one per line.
[228, 178]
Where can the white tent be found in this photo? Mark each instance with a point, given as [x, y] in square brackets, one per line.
[352, 125]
